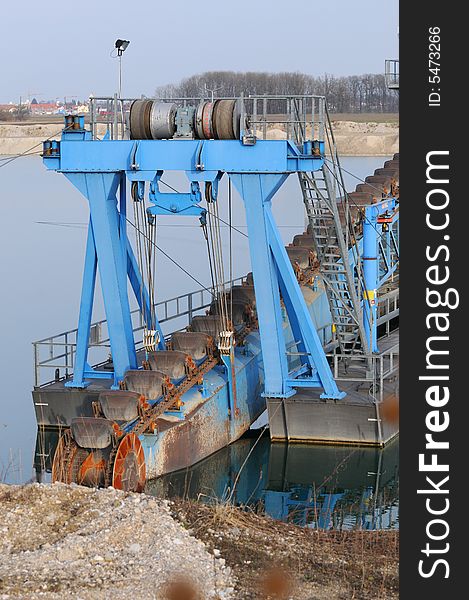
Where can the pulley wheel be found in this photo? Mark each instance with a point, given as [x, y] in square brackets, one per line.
[207, 121]
[140, 119]
[129, 471]
[223, 119]
[92, 470]
[68, 459]
[198, 120]
[162, 120]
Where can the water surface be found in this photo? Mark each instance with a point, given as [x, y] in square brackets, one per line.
[327, 487]
[42, 246]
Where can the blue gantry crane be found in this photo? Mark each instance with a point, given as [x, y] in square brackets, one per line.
[115, 409]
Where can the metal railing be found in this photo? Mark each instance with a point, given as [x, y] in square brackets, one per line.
[391, 74]
[295, 117]
[58, 351]
[383, 366]
[388, 308]
[372, 368]
[109, 115]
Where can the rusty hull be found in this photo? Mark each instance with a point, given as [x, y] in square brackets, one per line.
[206, 422]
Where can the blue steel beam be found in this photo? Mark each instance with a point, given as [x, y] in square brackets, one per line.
[256, 190]
[271, 268]
[86, 312]
[81, 366]
[266, 156]
[100, 189]
[258, 171]
[123, 212]
[299, 314]
[372, 232]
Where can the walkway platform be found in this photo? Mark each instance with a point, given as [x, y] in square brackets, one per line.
[368, 415]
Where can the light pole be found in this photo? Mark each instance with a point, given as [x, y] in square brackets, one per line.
[121, 46]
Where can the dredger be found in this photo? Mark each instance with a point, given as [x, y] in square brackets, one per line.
[310, 334]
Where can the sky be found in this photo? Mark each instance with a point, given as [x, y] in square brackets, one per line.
[53, 50]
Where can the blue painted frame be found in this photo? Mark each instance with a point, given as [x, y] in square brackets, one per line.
[374, 276]
[272, 271]
[108, 251]
[98, 168]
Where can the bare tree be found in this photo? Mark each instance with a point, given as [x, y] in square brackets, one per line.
[351, 94]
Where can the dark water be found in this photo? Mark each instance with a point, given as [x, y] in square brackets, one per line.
[327, 487]
[40, 281]
[315, 486]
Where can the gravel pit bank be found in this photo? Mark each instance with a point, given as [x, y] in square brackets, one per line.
[59, 541]
[352, 138]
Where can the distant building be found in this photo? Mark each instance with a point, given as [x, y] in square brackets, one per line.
[44, 108]
[36, 108]
[8, 107]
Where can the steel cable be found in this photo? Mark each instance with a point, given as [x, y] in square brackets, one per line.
[172, 260]
[231, 247]
[134, 194]
[219, 218]
[217, 256]
[9, 160]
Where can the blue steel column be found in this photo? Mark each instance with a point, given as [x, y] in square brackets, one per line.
[299, 313]
[86, 311]
[100, 189]
[387, 238]
[256, 190]
[123, 211]
[370, 274]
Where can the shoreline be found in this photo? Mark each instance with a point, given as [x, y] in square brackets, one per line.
[67, 541]
[264, 554]
[353, 137]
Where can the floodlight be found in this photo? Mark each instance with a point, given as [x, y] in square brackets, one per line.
[121, 45]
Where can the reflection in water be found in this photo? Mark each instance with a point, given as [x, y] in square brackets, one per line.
[46, 443]
[330, 487]
[339, 487]
[61, 249]
[315, 486]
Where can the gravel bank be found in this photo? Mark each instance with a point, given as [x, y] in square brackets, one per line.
[366, 139]
[352, 138]
[15, 139]
[68, 542]
[73, 542]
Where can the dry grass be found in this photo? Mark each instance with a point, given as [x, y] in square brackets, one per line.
[279, 560]
[11, 470]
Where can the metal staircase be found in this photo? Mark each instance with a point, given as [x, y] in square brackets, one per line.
[337, 249]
